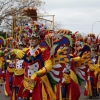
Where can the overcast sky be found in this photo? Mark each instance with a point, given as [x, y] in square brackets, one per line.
[76, 15]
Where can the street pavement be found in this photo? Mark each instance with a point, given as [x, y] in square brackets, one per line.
[3, 97]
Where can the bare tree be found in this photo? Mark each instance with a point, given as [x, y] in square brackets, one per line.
[9, 8]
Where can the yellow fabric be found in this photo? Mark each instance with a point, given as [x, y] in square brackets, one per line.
[48, 67]
[73, 76]
[1, 80]
[71, 55]
[8, 61]
[34, 76]
[96, 70]
[26, 84]
[25, 49]
[19, 71]
[48, 87]
[66, 78]
[92, 67]
[41, 48]
[11, 70]
[55, 89]
[97, 67]
[1, 62]
[83, 60]
[60, 96]
[19, 54]
[76, 59]
[44, 95]
[28, 58]
[5, 92]
[13, 94]
[90, 90]
[61, 54]
[57, 59]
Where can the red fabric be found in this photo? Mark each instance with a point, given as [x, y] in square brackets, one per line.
[23, 94]
[86, 92]
[45, 55]
[43, 33]
[13, 94]
[68, 90]
[75, 55]
[37, 95]
[17, 80]
[27, 53]
[2, 75]
[7, 85]
[74, 87]
[60, 70]
[73, 36]
[58, 91]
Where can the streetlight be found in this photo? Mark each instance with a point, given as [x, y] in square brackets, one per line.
[93, 24]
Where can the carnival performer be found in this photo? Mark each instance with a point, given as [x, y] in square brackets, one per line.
[18, 75]
[9, 75]
[62, 87]
[96, 60]
[37, 63]
[91, 90]
[80, 58]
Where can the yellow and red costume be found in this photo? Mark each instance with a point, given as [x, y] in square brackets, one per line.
[36, 64]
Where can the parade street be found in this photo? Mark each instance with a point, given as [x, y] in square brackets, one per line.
[3, 97]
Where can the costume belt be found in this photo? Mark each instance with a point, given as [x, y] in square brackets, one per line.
[26, 83]
[19, 72]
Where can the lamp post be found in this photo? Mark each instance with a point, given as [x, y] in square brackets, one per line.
[93, 25]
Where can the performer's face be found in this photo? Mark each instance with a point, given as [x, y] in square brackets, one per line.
[34, 42]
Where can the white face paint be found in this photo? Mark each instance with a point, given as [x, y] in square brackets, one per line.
[19, 64]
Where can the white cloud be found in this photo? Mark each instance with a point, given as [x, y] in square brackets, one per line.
[76, 15]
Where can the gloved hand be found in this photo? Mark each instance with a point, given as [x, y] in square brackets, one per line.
[19, 53]
[84, 60]
[33, 79]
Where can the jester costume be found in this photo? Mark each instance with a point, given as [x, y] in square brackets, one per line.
[34, 61]
[18, 77]
[9, 77]
[91, 88]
